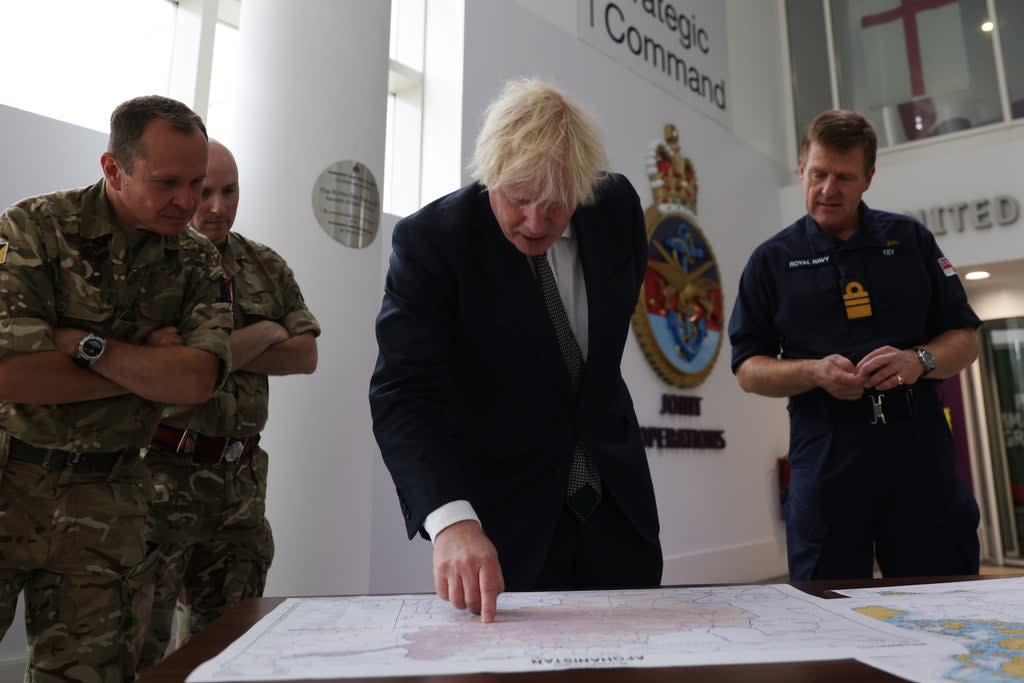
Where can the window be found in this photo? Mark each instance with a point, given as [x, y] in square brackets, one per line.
[404, 138]
[84, 57]
[75, 61]
[1011, 30]
[916, 68]
[408, 23]
[812, 93]
[220, 119]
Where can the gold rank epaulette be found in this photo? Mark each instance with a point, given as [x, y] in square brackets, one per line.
[857, 301]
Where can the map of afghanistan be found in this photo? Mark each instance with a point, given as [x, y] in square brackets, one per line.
[423, 635]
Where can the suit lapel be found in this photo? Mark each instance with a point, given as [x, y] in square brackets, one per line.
[519, 305]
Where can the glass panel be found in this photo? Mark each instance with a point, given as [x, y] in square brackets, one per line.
[403, 143]
[75, 61]
[808, 59]
[408, 19]
[1003, 365]
[916, 68]
[1011, 34]
[220, 121]
[389, 153]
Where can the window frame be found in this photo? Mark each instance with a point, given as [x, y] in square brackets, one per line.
[1007, 120]
[403, 147]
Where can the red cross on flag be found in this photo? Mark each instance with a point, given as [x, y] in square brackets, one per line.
[912, 48]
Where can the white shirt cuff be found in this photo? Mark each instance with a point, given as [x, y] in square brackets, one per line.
[446, 515]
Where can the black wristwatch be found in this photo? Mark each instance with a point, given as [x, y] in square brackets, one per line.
[90, 349]
[926, 358]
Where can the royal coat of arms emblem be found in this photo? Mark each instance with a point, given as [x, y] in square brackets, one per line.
[679, 314]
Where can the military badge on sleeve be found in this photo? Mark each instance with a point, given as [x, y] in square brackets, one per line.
[944, 263]
[4, 244]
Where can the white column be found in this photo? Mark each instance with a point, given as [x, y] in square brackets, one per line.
[312, 91]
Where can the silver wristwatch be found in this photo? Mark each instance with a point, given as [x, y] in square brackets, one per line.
[926, 358]
[90, 349]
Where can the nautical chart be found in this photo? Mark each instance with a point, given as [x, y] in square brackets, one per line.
[985, 617]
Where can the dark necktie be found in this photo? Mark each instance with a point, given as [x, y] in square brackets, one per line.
[584, 491]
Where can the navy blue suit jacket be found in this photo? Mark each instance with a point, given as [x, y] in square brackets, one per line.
[471, 398]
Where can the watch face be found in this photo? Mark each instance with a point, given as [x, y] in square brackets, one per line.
[92, 348]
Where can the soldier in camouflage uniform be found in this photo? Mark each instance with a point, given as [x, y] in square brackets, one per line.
[90, 281]
[209, 472]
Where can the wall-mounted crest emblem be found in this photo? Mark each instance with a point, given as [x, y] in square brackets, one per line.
[679, 314]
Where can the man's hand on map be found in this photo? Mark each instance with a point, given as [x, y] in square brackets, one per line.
[466, 569]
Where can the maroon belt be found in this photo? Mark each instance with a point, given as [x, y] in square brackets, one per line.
[208, 450]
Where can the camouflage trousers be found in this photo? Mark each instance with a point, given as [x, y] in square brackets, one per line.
[75, 544]
[215, 544]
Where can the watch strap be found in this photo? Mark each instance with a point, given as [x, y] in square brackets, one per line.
[926, 358]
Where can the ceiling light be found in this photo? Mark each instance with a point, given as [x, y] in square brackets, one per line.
[977, 275]
[987, 26]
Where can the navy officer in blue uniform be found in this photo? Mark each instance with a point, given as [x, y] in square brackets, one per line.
[855, 315]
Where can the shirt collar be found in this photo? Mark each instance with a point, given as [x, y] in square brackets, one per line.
[867, 234]
[231, 257]
[96, 215]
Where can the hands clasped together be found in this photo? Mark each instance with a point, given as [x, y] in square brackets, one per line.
[883, 369]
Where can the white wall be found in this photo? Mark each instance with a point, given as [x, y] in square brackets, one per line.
[397, 564]
[757, 69]
[42, 155]
[995, 304]
[312, 91]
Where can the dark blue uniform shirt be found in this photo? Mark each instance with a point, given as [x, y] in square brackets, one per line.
[791, 302]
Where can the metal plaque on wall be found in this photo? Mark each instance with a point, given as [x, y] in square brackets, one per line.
[346, 203]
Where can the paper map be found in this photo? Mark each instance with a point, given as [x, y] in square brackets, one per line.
[404, 635]
[985, 617]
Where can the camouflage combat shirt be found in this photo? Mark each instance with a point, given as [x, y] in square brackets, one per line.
[264, 288]
[64, 262]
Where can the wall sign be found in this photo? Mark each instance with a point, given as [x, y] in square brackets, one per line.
[678, 45]
[347, 204]
[678, 320]
[976, 214]
[667, 437]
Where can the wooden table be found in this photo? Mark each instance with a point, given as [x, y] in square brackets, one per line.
[241, 617]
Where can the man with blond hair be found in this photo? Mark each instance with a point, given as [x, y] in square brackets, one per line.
[497, 400]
